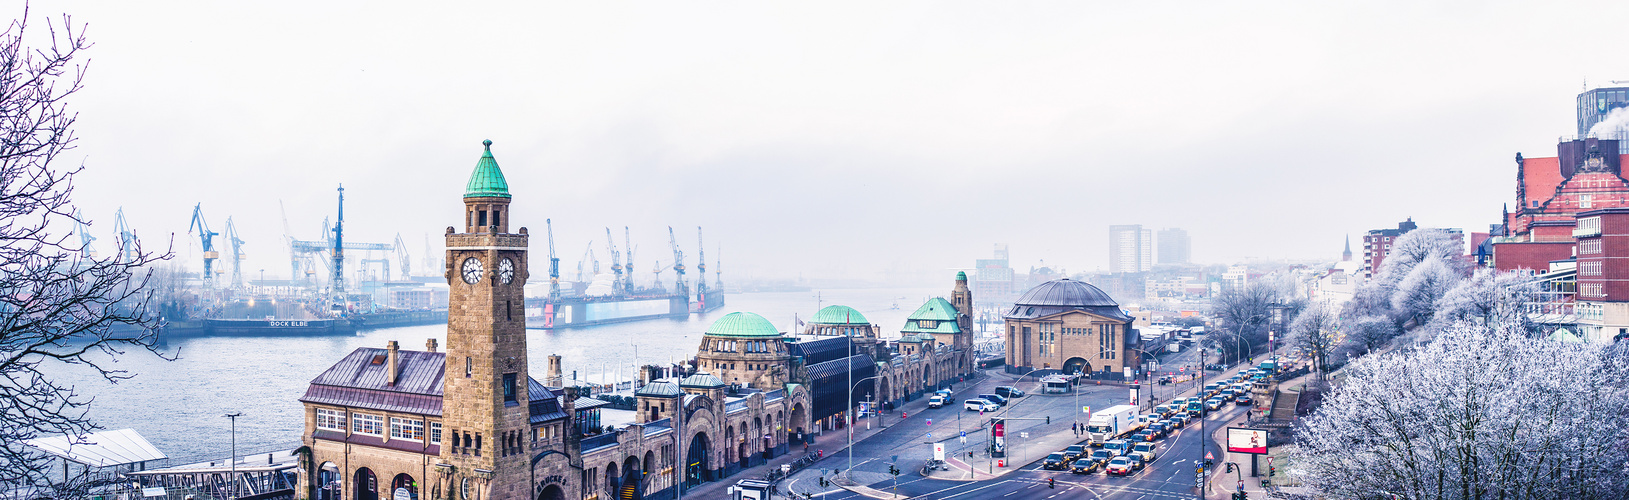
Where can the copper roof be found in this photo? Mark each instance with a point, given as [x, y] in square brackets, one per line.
[357, 381]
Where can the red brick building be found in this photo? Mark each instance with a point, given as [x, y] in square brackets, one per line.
[1377, 244]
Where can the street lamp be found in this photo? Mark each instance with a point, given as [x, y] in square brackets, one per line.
[851, 423]
[233, 461]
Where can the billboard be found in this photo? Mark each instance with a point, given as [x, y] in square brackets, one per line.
[1242, 440]
[999, 433]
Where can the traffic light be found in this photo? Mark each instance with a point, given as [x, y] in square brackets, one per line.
[1048, 419]
[1051, 483]
[1207, 463]
[1271, 470]
[1229, 467]
[893, 470]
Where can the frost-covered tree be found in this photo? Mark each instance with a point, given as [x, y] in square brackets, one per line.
[1367, 334]
[1374, 298]
[1415, 297]
[58, 306]
[1314, 332]
[1480, 412]
[1489, 297]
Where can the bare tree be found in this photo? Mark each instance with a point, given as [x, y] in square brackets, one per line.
[1246, 313]
[57, 306]
[1314, 332]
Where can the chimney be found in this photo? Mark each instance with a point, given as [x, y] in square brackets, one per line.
[430, 345]
[553, 377]
[393, 362]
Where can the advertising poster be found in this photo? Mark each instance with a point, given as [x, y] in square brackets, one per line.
[999, 432]
[1241, 440]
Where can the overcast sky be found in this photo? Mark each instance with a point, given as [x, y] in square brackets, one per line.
[829, 139]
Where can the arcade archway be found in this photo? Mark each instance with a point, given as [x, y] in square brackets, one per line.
[1076, 365]
[367, 485]
[696, 470]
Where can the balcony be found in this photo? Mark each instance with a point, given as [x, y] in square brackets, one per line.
[1586, 232]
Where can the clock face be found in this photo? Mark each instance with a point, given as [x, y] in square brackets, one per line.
[506, 271]
[464, 485]
[472, 270]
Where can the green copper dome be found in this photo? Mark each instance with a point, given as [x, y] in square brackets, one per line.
[839, 315]
[743, 324]
[961, 276]
[487, 180]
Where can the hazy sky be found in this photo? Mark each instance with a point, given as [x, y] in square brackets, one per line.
[831, 139]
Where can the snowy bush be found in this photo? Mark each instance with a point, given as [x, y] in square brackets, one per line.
[1480, 412]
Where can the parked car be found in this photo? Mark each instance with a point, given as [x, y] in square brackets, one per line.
[1146, 452]
[1088, 464]
[1074, 452]
[977, 404]
[1054, 461]
[1009, 391]
[994, 399]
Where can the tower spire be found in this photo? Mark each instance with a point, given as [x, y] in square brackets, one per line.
[1347, 255]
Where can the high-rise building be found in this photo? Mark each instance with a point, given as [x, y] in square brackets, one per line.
[1377, 244]
[1174, 246]
[993, 278]
[1131, 248]
[1595, 104]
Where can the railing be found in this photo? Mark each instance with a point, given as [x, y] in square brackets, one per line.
[775, 395]
[600, 441]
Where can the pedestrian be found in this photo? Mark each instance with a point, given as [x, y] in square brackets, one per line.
[805, 448]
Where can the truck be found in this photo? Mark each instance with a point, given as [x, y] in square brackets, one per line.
[1111, 423]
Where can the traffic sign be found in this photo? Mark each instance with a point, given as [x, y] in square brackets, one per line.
[1024, 435]
[964, 439]
[964, 434]
[1269, 460]
[930, 421]
[1208, 456]
[1086, 409]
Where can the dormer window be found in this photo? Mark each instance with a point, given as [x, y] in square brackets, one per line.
[927, 324]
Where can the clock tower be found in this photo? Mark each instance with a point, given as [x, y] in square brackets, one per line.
[484, 405]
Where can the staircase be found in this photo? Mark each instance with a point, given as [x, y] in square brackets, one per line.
[628, 491]
[1284, 406]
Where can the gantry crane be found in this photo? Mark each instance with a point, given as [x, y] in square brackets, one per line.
[616, 258]
[237, 254]
[85, 238]
[678, 264]
[127, 239]
[554, 263]
[207, 238]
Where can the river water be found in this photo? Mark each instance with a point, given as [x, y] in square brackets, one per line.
[179, 405]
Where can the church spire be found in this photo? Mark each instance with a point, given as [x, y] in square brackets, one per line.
[1347, 255]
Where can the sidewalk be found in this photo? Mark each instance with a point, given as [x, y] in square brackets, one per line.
[1229, 483]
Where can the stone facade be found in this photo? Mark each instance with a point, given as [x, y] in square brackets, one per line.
[1066, 326]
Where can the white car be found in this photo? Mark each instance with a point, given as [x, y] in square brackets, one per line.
[977, 404]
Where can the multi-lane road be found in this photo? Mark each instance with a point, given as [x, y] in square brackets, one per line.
[1170, 476]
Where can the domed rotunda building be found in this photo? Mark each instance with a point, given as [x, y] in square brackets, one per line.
[1068, 326]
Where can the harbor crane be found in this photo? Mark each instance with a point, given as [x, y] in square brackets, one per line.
[627, 287]
[85, 237]
[588, 255]
[554, 263]
[237, 254]
[337, 282]
[127, 239]
[678, 263]
[207, 239]
[658, 272]
[616, 258]
[401, 255]
[701, 267]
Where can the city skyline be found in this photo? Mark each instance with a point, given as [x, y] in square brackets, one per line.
[623, 116]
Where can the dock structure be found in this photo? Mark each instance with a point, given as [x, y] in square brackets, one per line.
[259, 476]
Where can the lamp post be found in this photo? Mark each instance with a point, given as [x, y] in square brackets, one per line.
[851, 424]
[233, 461]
